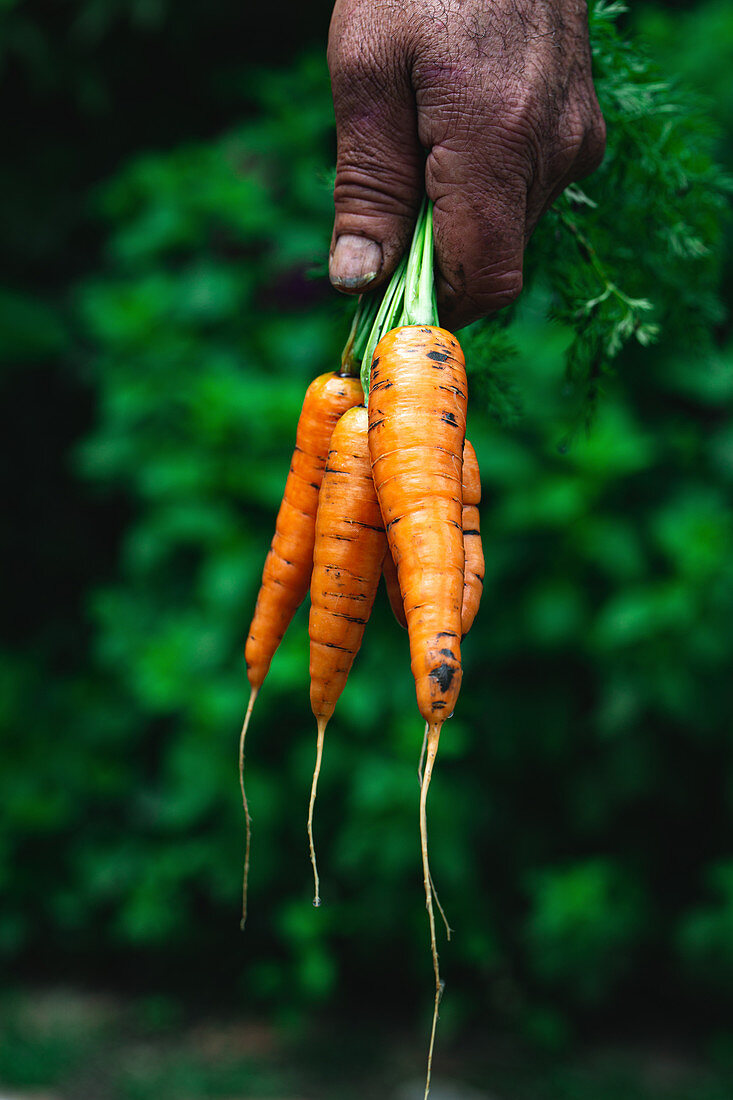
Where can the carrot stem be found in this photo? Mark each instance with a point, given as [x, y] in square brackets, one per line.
[314, 786]
[347, 360]
[370, 305]
[247, 818]
[383, 321]
[420, 306]
[427, 305]
[432, 749]
[412, 274]
[366, 311]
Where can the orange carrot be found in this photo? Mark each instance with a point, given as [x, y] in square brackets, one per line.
[349, 552]
[417, 428]
[289, 563]
[474, 557]
[471, 475]
[392, 584]
[473, 585]
[417, 425]
[473, 582]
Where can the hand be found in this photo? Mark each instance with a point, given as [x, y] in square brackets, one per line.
[500, 95]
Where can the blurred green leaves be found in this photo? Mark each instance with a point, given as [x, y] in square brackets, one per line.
[585, 921]
[705, 937]
[31, 328]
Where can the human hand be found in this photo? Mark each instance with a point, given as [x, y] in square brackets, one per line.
[499, 94]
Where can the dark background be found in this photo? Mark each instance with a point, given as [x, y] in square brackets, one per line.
[164, 202]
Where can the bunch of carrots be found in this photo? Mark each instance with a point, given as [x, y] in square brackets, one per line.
[383, 482]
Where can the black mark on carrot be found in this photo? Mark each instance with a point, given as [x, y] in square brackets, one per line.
[443, 674]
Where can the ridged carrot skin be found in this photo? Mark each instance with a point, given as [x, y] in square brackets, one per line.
[471, 475]
[473, 574]
[349, 553]
[417, 427]
[473, 583]
[347, 563]
[392, 584]
[289, 563]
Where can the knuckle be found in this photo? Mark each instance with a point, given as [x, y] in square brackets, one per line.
[498, 288]
[488, 290]
[372, 187]
[349, 62]
[365, 52]
[547, 138]
[524, 129]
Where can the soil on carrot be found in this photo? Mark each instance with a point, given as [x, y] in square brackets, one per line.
[63, 1044]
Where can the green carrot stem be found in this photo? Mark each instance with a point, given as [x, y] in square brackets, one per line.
[362, 321]
[386, 313]
[414, 263]
[369, 304]
[419, 280]
[347, 355]
[426, 292]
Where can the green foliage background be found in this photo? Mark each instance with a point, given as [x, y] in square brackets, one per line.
[158, 335]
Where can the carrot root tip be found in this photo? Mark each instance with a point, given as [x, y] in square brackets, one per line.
[421, 763]
[433, 736]
[314, 788]
[245, 807]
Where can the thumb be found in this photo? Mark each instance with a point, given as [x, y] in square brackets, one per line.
[379, 163]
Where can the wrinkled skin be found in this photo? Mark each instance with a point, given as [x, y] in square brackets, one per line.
[488, 105]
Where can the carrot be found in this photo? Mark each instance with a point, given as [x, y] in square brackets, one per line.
[289, 563]
[392, 584]
[474, 557]
[417, 428]
[473, 585]
[471, 475]
[349, 552]
[417, 425]
[474, 568]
